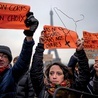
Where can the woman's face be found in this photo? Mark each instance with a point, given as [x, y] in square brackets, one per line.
[56, 75]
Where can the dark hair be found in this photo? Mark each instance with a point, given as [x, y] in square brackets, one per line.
[66, 71]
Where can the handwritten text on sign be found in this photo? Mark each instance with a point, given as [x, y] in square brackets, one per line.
[12, 16]
[91, 40]
[58, 37]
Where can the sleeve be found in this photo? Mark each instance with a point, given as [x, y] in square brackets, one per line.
[36, 72]
[95, 84]
[84, 73]
[23, 62]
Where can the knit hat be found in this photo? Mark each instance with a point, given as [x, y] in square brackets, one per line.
[7, 51]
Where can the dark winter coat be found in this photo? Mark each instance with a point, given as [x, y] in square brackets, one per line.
[10, 78]
[95, 85]
[38, 77]
[25, 88]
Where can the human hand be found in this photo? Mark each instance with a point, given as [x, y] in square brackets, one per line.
[41, 38]
[31, 20]
[32, 23]
[80, 44]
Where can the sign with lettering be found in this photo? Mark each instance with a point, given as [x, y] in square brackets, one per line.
[12, 16]
[91, 40]
[48, 57]
[91, 53]
[58, 37]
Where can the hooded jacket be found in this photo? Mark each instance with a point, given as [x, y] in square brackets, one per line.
[11, 76]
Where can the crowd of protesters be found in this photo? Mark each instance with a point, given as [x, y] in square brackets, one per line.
[23, 81]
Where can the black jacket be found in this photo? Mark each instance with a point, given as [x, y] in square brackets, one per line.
[95, 85]
[25, 88]
[37, 76]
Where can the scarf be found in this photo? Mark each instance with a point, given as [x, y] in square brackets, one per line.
[52, 87]
[3, 69]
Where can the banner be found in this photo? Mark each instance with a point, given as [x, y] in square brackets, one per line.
[90, 40]
[58, 37]
[48, 57]
[91, 53]
[12, 16]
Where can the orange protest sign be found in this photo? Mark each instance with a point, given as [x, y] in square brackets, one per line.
[58, 37]
[90, 40]
[12, 16]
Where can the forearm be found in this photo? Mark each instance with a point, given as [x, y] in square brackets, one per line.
[36, 72]
[23, 62]
[29, 38]
[83, 64]
[84, 72]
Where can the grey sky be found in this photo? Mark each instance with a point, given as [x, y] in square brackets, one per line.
[41, 8]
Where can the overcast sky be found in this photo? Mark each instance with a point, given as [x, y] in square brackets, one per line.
[41, 9]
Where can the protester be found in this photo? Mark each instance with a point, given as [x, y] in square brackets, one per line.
[93, 84]
[9, 76]
[57, 74]
[95, 80]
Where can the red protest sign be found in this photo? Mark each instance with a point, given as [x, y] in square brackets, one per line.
[58, 37]
[12, 16]
[90, 40]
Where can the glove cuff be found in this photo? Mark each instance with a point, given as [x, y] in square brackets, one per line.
[28, 33]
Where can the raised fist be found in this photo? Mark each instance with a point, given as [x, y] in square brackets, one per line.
[32, 23]
[80, 44]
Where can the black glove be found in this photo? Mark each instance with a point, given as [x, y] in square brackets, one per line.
[31, 22]
[28, 33]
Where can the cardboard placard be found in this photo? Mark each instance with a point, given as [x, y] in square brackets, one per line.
[90, 40]
[12, 16]
[58, 37]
